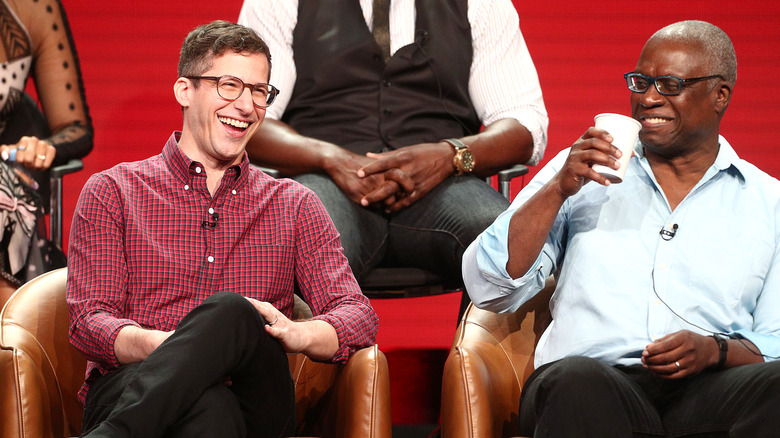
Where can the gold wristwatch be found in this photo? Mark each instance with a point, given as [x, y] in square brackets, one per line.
[463, 159]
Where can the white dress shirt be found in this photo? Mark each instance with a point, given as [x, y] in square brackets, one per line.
[503, 80]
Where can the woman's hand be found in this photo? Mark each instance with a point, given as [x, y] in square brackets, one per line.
[31, 152]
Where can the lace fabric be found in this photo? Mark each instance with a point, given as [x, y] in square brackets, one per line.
[35, 41]
[41, 28]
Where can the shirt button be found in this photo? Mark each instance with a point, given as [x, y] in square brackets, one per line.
[386, 83]
[198, 170]
[662, 267]
[234, 191]
[387, 111]
[186, 187]
[210, 259]
[657, 302]
[211, 210]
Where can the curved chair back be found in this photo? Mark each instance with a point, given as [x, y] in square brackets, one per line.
[490, 359]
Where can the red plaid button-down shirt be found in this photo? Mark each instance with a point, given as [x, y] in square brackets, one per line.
[148, 243]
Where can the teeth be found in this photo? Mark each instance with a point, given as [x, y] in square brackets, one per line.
[234, 122]
[655, 120]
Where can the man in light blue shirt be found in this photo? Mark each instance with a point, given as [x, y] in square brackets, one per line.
[666, 315]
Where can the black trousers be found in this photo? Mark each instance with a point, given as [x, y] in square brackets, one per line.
[583, 397]
[179, 390]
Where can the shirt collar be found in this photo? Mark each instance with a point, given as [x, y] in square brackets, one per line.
[726, 159]
[181, 165]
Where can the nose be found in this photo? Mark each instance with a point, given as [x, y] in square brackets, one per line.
[651, 97]
[244, 102]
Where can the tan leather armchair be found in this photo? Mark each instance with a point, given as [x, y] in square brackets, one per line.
[40, 374]
[490, 359]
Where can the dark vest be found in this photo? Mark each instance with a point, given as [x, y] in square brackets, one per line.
[346, 94]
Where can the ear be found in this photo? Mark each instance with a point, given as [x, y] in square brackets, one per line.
[722, 97]
[181, 89]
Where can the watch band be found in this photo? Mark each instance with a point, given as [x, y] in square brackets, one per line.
[723, 346]
[456, 143]
[460, 149]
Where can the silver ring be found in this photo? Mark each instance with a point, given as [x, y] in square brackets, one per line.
[40, 157]
[678, 365]
[22, 148]
[277, 319]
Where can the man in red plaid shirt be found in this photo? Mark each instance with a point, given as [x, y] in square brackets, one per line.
[183, 268]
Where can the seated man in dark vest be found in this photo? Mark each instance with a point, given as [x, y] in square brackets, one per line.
[385, 128]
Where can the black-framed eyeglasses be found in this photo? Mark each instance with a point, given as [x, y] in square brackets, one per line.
[666, 85]
[230, 88]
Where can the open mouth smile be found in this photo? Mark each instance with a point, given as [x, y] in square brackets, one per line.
[240, 124]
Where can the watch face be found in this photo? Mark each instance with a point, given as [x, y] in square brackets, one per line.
[467, 161]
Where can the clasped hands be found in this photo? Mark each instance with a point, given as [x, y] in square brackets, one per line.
[395, 179]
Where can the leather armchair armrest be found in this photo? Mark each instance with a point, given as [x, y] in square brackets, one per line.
[350, 400]
[363, 393]
[482, 393]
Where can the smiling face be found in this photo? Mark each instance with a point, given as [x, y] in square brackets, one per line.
[675, 126]
[215, 130]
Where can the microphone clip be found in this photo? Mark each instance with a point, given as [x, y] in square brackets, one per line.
[210, 225]
[668, 235]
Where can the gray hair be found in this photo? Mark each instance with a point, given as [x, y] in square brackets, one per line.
[714, 42]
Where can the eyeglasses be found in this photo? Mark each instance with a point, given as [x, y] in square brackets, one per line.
[666, 85]
[230, 88]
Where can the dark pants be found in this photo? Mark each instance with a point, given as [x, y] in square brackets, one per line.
[179, 389]
[583, 397]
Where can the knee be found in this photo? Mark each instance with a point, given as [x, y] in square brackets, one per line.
[229, 306]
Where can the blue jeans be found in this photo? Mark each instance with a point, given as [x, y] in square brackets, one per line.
[431, 234]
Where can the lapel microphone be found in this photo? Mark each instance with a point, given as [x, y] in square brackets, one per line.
[668, 235]
[210, 225]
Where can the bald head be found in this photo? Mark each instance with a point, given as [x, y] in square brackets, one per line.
[715, 45]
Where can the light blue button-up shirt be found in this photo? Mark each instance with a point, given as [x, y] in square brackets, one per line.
[623, 284]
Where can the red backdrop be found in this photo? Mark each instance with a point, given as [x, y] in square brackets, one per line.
[129, 52]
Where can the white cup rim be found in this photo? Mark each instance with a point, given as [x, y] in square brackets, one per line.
[621, 116]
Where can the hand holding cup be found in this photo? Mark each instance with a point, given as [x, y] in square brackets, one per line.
[624, 131]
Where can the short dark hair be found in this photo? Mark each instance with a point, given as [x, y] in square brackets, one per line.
[209, 41]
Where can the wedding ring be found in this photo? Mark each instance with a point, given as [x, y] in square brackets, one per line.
[22, 148]
[678, 365]
[277, 319]
[41, 157]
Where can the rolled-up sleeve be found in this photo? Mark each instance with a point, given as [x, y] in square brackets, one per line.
[487, 281]
[327, 283]
[97, 272]
[765, 333]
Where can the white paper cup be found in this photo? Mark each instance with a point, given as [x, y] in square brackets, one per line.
[624, 131]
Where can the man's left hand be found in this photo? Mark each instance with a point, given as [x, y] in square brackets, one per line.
[314, 338]
[680, 354]
[427, 164]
